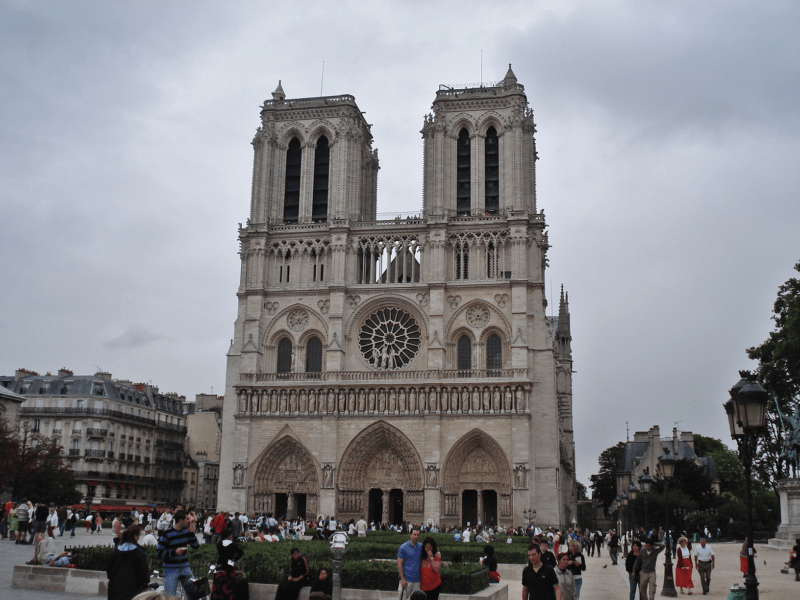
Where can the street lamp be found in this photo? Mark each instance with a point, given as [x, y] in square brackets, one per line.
[746, 412]
[623, 501]
[645, 483]
[667, 464]
[338, 542]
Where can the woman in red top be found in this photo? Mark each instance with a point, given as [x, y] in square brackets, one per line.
[683, 570]
[429, 569]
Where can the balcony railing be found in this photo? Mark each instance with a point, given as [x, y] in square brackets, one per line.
[110, 454]
[74, 452]
[399, 375]
[91, 432]
[116, 414]
[56, 431]
[76, 432]
[88, 453]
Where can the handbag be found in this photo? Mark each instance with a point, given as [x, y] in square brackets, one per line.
[196, 588]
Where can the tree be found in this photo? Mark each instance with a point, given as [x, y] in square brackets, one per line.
[604, 483]
[779, 372]
[34, 467]
[580, 491]
[727, 463]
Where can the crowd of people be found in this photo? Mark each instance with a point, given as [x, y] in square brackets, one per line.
[556, 558]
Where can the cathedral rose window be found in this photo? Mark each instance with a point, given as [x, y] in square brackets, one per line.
[389, 339]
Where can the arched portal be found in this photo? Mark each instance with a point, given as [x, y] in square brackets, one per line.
[476, 479]
[285, 481]
[381, 470]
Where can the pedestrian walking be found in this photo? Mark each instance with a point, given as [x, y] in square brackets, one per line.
[704, 563]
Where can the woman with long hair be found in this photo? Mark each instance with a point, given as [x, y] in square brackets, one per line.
[430, 569]
[126, 568]
[683, 570]
[289, 588]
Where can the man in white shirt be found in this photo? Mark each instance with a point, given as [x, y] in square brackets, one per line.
[704, 562]
[361, 527]
[149, 538]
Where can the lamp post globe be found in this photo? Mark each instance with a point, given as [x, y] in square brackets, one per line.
[747, 411]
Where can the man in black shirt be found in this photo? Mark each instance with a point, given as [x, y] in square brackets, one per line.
[539, 581]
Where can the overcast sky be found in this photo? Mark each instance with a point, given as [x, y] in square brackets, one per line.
[669, 173]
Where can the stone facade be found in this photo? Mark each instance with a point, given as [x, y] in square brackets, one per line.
[400, 369]
[124, 441]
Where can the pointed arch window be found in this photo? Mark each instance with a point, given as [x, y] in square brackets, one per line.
[494, 355]
[314, 355]
[285, 356]
[463, 173]
[464, 353]
[492, 172]
[322, 155]
[291, 194]
[462, 260]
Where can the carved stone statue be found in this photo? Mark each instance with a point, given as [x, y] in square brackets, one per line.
[401, 400]
[371, 401]
[791, 445]
[351, 401]
[496, 401]
[273, 401]
[303, 401]
[342, 404]
[432, 476]
[362, 402]
[293, 401]
[331, 401]
[312, 402]
[508, 400]
[520, 398]
[282, 404]
[327, 476]
[238, 475]
[476, 399]
[382, 400]
[392, 401]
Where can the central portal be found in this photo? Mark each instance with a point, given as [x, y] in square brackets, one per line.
[375, 506]
[396, 507]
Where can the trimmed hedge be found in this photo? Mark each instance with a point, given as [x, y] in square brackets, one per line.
[366, 565]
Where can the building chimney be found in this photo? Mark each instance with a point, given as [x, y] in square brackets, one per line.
[64, 372]
[103, 375]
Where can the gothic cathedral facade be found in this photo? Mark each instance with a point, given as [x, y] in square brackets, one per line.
[400, 369]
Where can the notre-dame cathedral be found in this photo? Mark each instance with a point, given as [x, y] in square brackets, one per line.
[400, 369]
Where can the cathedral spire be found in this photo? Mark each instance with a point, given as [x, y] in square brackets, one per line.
[563, 334]
[279, 95]
[510, 78]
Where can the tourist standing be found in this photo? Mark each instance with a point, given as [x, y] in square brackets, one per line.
[704, 562]
[539, 581]
[430, 569]
[409, 557]
[172, 549]
[577, 565]
[683, 570]
[127, 569]
[613, 545]
[630, 560]
[566, 580]
[645, 568]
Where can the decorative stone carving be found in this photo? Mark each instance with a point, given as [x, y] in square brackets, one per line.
[520, 476]
[389, 339]
[501, 300]
[478, 316]
[431, 476]
[505, 505]
[328, 472]
[324, 306]
[454, 301]
[271, 307]
[353, 300]
[238, 475]
[423, 299]
[297, 320]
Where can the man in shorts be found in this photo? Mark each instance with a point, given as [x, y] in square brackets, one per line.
[409, 557]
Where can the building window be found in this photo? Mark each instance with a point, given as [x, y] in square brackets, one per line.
[494, 355]
[463, 173]
[314, 355]
[464, 353]
[492, 172]
[36, 426]
[319, 207]
[284, 356]
[462, 260]
[291, 195]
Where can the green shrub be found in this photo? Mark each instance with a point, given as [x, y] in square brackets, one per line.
[367, 564]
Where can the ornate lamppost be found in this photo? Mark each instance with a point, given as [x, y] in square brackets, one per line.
[666, 463]
[746, 412]
[645, 483]
[623, 501]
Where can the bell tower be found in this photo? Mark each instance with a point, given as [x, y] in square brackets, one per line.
[313, 162]
[490, 169]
